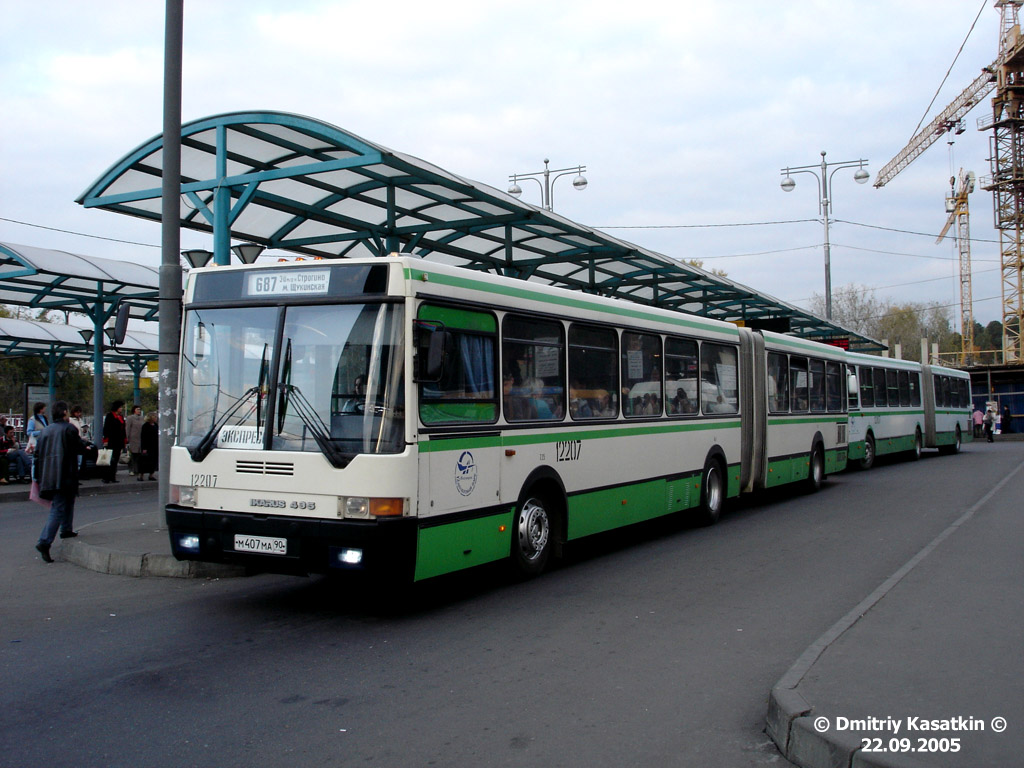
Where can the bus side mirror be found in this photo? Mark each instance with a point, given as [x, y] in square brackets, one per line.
[121, 322]
[433, 354]
[851, 384]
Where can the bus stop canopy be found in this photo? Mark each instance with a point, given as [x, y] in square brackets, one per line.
[296, 183]
[32, 338]
[45, 279]
[42, 278]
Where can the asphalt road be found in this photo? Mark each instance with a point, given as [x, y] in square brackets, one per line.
[653, 647]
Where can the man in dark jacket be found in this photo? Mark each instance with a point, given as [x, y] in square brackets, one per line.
[57, 452]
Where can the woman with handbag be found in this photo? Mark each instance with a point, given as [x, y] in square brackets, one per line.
[114, 439]
[34, 428]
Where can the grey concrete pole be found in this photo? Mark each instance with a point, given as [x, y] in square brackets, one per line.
[170, 267]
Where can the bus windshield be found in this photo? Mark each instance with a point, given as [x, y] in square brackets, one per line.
[324, 378]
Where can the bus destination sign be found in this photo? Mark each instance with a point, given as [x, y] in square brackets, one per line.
[306, 282]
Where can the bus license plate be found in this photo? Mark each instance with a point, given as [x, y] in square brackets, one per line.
[264, 545]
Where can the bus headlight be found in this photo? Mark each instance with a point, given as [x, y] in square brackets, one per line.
[185, 495]
[364, 508]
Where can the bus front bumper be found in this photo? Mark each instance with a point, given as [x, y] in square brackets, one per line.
[278, 544]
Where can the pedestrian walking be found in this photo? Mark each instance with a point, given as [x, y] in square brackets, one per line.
[57, 452]
[990, 423]
[1007, 420]
[978, 418]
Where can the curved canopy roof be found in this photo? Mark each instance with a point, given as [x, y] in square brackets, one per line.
[300, 184]
[31, 338]
[47, 279]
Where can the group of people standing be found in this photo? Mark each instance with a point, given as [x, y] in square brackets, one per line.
[987, 423]
[57, 449]
[138, 433]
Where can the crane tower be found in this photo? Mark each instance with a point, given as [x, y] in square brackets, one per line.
[959, 213]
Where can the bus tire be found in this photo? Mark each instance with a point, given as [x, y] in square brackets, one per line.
[915, 452]
[816, 472]
[955, 447]
[712, 492]
[533, 535]
[869, 453]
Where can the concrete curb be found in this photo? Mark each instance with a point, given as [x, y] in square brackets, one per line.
[20, 493]
[118, 563]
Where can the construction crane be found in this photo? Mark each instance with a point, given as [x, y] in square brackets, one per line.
[949, 119]
[959, 213]
[1006, 76]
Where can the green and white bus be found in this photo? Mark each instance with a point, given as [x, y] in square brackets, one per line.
[901, 406]
[412, 419]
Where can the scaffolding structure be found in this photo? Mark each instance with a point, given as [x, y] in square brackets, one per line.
[1007, 180]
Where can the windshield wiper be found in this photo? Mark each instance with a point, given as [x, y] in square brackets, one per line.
[202, 449]
[311, 420]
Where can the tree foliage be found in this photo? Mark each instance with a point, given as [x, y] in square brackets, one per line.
[857, 308]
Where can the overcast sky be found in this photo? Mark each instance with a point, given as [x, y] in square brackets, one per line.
[684, 113]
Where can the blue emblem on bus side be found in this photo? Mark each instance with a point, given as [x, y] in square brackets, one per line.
[465, 473]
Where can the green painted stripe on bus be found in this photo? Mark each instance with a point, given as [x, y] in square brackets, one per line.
[446, 548]
[776, 421]
[897, 444]
[869, 411]
[802, 345]
[462, 319]
[611, 508]
[795, 469]
[564, 301]
[442, 443]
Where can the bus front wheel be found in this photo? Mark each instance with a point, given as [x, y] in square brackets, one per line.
[532, 537]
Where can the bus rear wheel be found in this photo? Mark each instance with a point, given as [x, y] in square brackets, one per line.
[532, 536]
[712, 493]
[915, 452]
[955, 447]
[816, 473]
[869, 453]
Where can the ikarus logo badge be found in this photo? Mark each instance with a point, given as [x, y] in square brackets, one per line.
[465, 473]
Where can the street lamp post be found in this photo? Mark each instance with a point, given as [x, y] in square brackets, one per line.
[579, 183]
[825, 204]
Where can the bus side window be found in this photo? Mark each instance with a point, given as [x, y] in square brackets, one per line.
[682, 390]
[778, 383]
[592, 372]
[834, 389]
[719, 375]
[641, 375]
[816, 368]
[878, 376]
[533, 355]
[798, 383]
[915, 389]
[904, 384]
[892, 384]
[466, 391]
[867, 387]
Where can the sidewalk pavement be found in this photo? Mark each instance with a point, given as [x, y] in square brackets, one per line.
[130, 545]
[933, 652]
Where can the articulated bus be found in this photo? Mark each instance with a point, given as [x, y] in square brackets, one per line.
[413, 419]
[900, 406]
